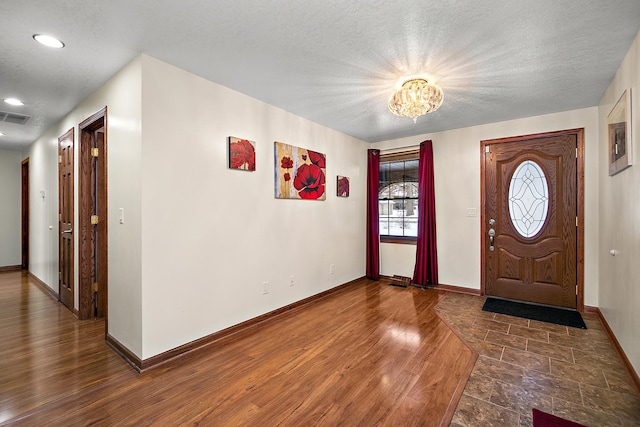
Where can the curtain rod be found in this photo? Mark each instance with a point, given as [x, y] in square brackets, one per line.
[404, 148]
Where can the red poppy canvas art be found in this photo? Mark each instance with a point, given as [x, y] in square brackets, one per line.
[343, 186]
[299, 173]
[242, 154]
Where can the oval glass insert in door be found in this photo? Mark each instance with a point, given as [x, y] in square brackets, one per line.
[528, 198]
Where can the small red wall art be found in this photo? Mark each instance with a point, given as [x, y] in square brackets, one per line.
[342, 186]
[242, 154]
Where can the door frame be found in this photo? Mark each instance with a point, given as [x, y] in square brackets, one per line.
[25, 215]
[579, 133]
[92, 262]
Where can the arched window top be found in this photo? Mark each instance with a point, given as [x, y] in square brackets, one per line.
[399, 190]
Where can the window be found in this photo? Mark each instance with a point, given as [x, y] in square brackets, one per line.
[528, 198]
[398, 197]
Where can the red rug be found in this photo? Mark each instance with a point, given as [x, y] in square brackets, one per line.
[542, 419]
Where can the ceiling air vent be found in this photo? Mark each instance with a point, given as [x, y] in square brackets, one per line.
[17, 119]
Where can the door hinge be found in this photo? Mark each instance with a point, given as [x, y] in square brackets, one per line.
[59, 275]
[60, 216]
[95, 287]
[576, 289]
[94, 219]
[60, 159]
[487, 148]
[576, 152]
[576, 221]
[94, 152]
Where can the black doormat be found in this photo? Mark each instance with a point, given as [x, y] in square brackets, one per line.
[542, 313]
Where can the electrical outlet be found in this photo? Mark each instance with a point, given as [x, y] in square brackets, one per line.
[331, 269]
[265, 288]
[291, 280]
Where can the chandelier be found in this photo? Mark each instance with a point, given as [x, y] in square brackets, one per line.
[415, 98]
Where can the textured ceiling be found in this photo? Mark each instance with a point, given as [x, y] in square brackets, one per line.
[333, 62]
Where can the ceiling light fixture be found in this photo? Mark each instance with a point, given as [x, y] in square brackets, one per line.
[415, 98]
[48, 41]
[1, 134]
[13, 101]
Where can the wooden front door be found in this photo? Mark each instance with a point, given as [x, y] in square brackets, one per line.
[65, 210]
[530, 218]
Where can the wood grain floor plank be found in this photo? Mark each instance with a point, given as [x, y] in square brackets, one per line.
[370, 354]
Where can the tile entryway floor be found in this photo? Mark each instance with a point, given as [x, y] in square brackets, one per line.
[523, 364]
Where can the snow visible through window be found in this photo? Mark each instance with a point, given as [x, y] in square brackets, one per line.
[398, 198]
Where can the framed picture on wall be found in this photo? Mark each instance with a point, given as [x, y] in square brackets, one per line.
[299, 173]
[242, 154]
[619, 134]
[342, 186]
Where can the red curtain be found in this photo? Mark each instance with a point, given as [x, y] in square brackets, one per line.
[426, 269]
[373, 224]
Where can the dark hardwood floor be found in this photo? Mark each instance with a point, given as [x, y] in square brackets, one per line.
[369, 354]
[45, 353]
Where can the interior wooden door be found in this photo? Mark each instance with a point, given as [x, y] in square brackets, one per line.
[25, 214]
[93, 212]
[66, 211]
[531, 219]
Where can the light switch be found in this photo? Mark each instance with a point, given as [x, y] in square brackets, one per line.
[472, 212]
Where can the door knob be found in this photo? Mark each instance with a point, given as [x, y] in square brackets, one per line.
[68, 231]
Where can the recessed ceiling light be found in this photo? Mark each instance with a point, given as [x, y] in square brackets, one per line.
[13, 101]
[1, 134]
[48, 41]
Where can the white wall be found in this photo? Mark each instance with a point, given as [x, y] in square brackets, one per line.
[211, 235]
[122, 94]
[123, 97]
[10, 208]
[199, 239]
[396, 258]
[43, 211]
[620, 218]
[457, 186]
